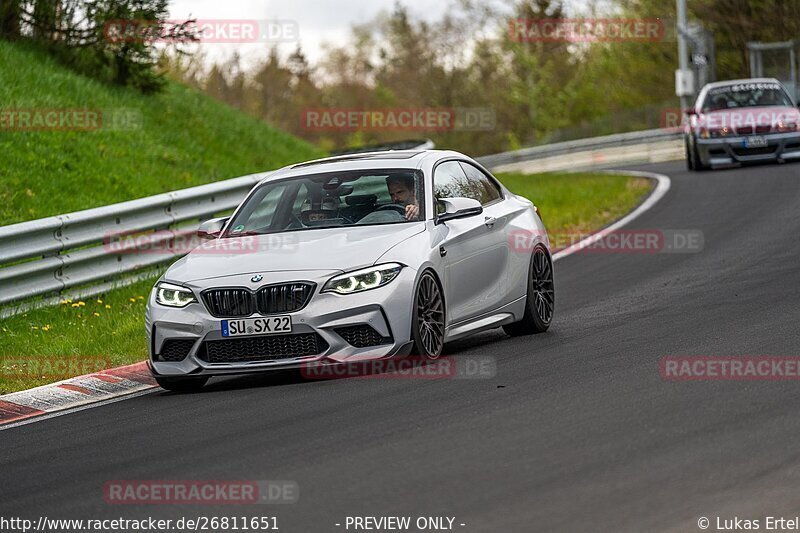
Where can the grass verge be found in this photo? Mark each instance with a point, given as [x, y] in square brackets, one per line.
[141, 145]
[111, 327]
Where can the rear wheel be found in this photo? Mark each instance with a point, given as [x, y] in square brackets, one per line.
[427, 322]
[541, 298]
[181, 384]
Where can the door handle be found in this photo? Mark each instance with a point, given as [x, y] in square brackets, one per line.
[489, 221]
[442, 251]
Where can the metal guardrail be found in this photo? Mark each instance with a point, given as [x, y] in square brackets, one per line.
[581, 145]
[48, 256]
[53, 254]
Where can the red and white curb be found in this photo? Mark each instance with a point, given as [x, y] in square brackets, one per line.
[75, 392]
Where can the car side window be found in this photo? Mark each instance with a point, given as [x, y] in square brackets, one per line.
[487, 189]
[449, 181]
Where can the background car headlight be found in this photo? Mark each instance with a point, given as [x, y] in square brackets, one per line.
[705, 133]
[174, 295]
[363, 280]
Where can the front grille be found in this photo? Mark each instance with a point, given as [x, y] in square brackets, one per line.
[284, 298]
[263, 348]
[281, 298]
[762, 150]
[362, 336]
[229, 302]
[175, 350]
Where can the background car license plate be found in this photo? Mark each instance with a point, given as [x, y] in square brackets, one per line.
[257, 326]
[755, 142]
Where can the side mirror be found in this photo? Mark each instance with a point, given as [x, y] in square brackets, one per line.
[210, 229]
[458, 208]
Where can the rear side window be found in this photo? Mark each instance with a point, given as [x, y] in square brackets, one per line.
[487, 189]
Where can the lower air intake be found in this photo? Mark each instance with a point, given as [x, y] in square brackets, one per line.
[263, 348]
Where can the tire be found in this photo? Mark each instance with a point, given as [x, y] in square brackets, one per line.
[181, 384]
[696, 163]
[428, 318]
[540, 300]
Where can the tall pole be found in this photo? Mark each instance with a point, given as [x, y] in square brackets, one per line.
[683, 56]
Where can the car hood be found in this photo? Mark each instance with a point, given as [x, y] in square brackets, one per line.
[750, 116]
[328, 249]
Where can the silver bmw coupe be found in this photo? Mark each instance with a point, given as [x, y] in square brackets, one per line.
[350, 259]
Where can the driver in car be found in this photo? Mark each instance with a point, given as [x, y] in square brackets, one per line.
[401, 189]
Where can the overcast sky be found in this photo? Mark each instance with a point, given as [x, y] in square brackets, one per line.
[318, 21]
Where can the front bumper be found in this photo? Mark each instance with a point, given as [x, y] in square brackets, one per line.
[731, 150]
[386, 309]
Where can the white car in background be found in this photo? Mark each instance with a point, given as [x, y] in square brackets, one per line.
[741, 121]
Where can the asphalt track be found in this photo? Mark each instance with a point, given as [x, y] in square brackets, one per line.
[577, 431]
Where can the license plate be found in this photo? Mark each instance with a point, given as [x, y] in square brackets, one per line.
[257, 326]
[755, 142]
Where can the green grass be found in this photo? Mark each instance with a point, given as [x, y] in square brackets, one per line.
[183, 138]
[108, 328]
[568, 202]
[579, 202]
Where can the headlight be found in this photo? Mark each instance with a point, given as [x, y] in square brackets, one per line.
[363, 280]
[705, 133]
[174, 295]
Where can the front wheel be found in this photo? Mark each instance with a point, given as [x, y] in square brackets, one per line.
[695, 163]
[181, 384]
[427, 322]
[541, 297]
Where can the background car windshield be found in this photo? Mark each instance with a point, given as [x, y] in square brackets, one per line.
[331, 200]
[746, 95]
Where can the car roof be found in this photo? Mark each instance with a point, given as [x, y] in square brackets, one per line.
[364, 161]
[715, 84]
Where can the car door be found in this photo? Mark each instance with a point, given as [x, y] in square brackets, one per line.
[498, 214]
[474, 249]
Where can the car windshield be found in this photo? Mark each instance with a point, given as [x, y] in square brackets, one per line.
[746, 95]
[330, 200]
